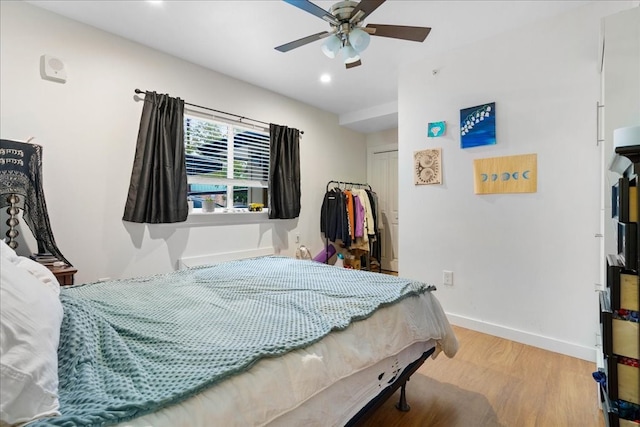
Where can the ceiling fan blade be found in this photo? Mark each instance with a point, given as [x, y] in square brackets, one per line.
[301, 42]
[353, 64]
[365, 7]
[416, 34]
[313, 9]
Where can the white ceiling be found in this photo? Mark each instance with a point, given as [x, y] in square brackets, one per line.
[237, 38]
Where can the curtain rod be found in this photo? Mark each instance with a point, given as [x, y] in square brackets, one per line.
[138, 91]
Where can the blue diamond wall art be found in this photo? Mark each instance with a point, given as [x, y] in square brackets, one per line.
[478, 126]
[436, 129]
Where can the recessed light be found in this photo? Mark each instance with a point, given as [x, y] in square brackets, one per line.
[325, 78]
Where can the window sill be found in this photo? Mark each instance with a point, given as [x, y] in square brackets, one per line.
[238, 216]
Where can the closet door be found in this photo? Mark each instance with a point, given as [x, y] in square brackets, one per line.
[384, 181]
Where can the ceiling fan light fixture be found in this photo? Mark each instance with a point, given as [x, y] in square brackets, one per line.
[349, 54]
[347, 34]
[359, 39]
[331, 46]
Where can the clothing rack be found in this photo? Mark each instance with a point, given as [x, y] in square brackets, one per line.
[326, 238]
[353, 184]
[240, 118]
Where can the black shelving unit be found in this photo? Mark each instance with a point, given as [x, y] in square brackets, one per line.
[620, 336]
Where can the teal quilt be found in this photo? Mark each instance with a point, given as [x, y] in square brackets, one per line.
[131, 347]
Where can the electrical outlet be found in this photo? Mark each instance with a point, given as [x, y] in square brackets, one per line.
[297, 237]
[447, 277]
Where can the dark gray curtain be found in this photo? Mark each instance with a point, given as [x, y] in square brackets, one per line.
[284, 172]
[158, 188]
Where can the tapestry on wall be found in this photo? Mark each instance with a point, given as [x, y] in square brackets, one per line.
[509, 174]
[428, 166]
[478, 125]
[436, 129]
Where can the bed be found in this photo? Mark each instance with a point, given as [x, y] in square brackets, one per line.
[266, 341]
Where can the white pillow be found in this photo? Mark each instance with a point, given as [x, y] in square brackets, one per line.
[41, 272]
[6, 251]
[30, 319]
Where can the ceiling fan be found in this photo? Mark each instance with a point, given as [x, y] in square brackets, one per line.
[347, 35]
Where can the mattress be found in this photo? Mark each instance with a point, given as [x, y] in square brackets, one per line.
[324, 384]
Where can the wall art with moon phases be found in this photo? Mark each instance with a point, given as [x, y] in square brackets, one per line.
[509, 174]
[428, 166]
[478, 126]
[436, 129]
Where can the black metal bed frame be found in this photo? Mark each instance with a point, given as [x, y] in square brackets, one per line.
[401, 383]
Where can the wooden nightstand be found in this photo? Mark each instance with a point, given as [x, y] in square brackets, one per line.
[64, 274]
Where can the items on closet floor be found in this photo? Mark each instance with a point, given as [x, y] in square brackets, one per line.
[349, 217]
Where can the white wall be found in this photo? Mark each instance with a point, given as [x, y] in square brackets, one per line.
[621, 99]
[524, 265]
[88, 128]
[384, 137]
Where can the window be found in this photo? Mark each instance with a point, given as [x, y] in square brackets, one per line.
[227, 162]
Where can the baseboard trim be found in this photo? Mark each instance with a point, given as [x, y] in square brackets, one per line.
[523, 337]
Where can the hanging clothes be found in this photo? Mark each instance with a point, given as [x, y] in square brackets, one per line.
[328, 215]
[350, 216]
[373, 202]
[334, 219]
[350, 213]
[359, 216]
[343, 215]
[368, 214]
[364, 220]
[374, 239]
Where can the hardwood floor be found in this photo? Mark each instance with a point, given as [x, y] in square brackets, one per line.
[496, 382]
[392, 273]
